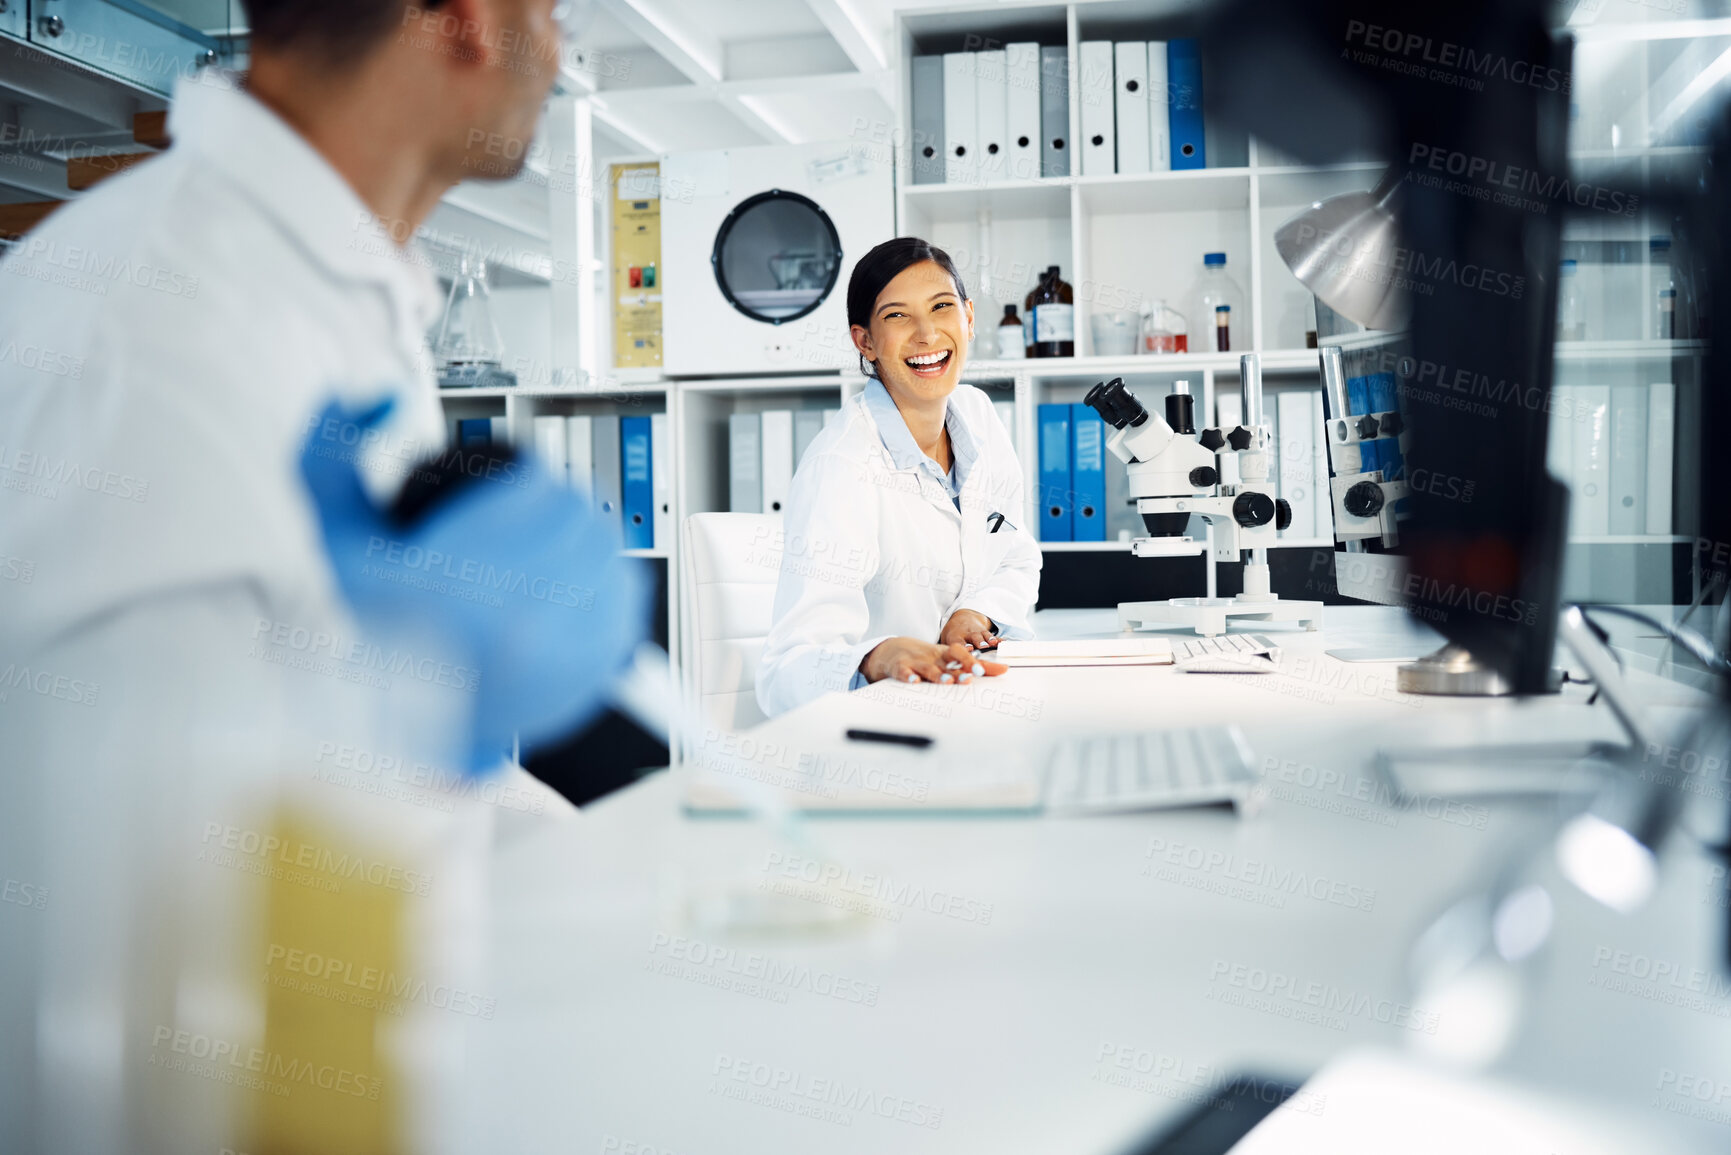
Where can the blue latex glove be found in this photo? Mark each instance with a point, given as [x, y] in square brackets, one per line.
[515, 571]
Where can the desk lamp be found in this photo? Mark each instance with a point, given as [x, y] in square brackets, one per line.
[1336, 246]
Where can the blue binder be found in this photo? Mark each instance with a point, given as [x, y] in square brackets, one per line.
[1087, 474]
[638, 496]
[1384, 398]
[1184, 78]
[474, 432]
[1055, 489]
[1357, 405]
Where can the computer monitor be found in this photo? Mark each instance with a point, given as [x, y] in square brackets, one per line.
[1471, 379]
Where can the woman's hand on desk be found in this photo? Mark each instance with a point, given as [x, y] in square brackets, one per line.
[911, 660]
[970, 628]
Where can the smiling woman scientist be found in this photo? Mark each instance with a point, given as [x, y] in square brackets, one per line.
[904, 550]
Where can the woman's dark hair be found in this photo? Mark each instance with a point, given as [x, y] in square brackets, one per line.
[881, 266]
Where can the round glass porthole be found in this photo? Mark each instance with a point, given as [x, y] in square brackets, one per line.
[777, 256]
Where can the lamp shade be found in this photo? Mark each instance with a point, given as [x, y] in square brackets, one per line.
[1344, 250]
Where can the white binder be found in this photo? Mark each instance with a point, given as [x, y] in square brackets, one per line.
[501, 431]
[1560, 444]
[1228, 415]
[1591, 500]
[928, 117]
[807, 424]
[744, 463]
[1130, 81]
[661, 478]
[580, 453]
[608, 474]
[1661, 438]
[1628, 459]
[1319, 471]
[1022, 111]
[1160, 113]
[1094, 90]
[961, 119]
[1297, 457]
[991, 113]
[777, 459]
[1056, 146]
[1228, 410]
[550, 446]
[1271, 418]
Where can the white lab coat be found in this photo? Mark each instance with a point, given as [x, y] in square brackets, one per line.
[873, 548]
[164, 342]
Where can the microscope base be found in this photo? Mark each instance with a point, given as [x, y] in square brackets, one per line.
[1210, 616]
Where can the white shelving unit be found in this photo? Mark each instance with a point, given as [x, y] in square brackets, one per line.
[1119, 239]
[1638, 568]
[1624, 131]
[520, 406]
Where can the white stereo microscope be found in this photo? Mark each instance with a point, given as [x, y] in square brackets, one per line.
[1220, 477]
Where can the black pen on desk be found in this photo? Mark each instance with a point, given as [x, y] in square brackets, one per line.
[917, 741]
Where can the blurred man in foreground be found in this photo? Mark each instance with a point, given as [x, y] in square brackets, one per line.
[241, 695]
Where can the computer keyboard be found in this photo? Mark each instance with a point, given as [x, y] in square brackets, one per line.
[1150, 771]
[1226, 654]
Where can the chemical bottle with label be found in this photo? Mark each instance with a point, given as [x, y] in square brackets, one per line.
[1052, 316]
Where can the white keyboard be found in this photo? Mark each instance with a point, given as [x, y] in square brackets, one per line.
[1226, 654]
[1150, 771]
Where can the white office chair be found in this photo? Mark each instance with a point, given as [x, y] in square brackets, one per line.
[732, 561]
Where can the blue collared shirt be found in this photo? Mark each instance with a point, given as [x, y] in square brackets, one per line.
[906, 454]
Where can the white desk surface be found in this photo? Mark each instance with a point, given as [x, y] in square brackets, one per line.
[1099, 939]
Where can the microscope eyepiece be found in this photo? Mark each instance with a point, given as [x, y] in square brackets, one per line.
[1115, 404]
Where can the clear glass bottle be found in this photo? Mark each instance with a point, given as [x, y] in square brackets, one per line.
[1664, 289]
[1570, 324]
[467, 335]
[1163, 329]
[1213, 289]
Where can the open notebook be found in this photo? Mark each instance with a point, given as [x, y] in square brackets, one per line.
[1087, 652]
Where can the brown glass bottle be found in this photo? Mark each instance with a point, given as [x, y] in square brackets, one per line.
[1052, 306]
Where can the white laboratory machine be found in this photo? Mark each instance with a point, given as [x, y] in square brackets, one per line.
[758, 245]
